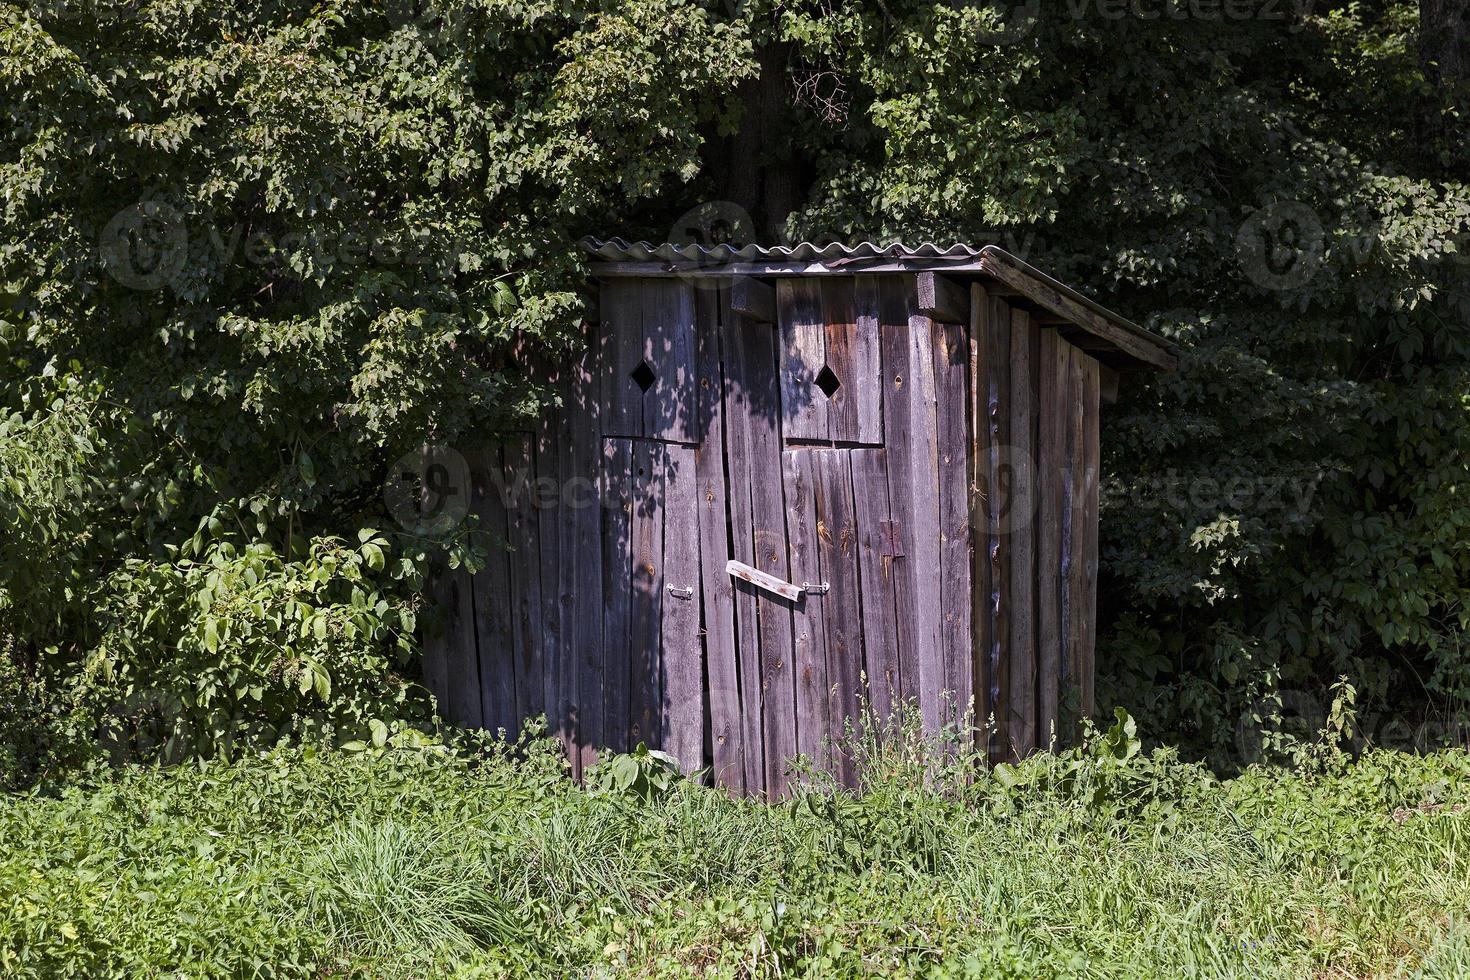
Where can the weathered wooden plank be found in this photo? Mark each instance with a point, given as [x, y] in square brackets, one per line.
[876, 575]
[753, 299]
[669, 407]
[1087, 602]
[453, 673]
[895, 342]
[863, 376]
[837, 550]
[493, 626]
[1074, 516]
[451, 653]
[913, 494]
[839, 324]
[898, 419]
[717, 593]
[998, 501]
[760, 467]
[558, 686]
[752, 401]
[523, 537]
[778, 675]
[1145, 349]
[803, 355]
[1050, 457]
[981, 604]
[579, 544]
[942, 299]
[809, 615]
[951, 361]
[437, 637]
[620, 348]
[646, 577]
[683, 704]
[1021, 652]
[617, 611]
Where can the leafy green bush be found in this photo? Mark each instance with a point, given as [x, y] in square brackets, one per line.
[202, 649]
[242, 648]
[643, 773]
[392, 863]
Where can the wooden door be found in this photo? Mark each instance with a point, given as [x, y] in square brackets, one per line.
[862, 501]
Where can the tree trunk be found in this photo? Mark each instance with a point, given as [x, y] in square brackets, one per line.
[758, 168]
[1444, 43]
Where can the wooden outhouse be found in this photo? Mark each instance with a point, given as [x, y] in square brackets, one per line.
[786, 483]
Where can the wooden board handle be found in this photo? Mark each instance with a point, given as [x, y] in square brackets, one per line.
[761, 580]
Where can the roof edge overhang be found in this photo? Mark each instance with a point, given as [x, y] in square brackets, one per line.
[1101, 330]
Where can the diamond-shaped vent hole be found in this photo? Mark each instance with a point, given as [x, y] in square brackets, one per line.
[828, 382]
[643, 376]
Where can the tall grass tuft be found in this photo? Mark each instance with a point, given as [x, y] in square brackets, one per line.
[385, 889]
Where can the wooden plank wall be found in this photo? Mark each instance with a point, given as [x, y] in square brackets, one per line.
[944, 492]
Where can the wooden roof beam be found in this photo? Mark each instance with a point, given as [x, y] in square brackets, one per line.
[753, 298]
[943, 299]
[1141, 348]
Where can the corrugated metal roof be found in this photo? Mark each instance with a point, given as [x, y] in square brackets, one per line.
[622, 257]
[621, 250]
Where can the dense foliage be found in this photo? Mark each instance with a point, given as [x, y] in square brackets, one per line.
[1105, 863]
[252, 252]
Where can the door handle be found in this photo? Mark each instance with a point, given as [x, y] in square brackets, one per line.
[772, 584]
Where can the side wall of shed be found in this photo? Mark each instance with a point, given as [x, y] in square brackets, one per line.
[1035, 430]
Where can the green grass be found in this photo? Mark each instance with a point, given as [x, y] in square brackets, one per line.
[424, 865]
